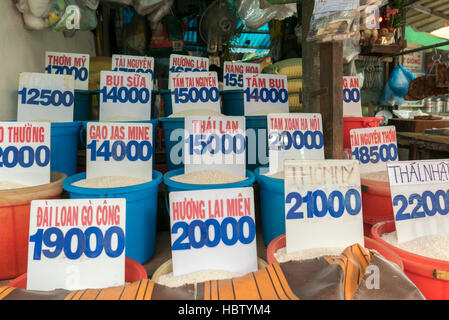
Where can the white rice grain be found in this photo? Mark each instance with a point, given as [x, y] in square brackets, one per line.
[172, 281]
[106, 182]
[435, 247]
[196, 112]
[6, 185]
[282, 256]
[277, 175]
[208, 177]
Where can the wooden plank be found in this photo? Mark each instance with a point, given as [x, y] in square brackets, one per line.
[331, 104]
[409, 125]
[310, 63]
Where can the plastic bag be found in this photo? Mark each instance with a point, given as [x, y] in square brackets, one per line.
[91, 4]
[334, 26]
[136, 37]
[256, 13]
[144, 7]
[397, 86]
[351, 49]
[156, 16]
[400, 80]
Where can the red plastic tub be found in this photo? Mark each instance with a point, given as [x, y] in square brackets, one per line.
[280, 242]
[350, 123]
[376, 201]
[431, 276]
[134, 271]
[15, 222]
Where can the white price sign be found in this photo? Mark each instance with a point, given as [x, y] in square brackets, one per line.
[125, 96]
[134, 64]
[195, 90]
[352, 102]
[45, 97]
[72, 64]
[76, 244]
[233, 73]
[374, 147]
[116, 149]
[294, 136]
[180, 63]
[215, 143]
[323, 204]
[25, 153]
[265, 92]
[213, 231]
[420, 196]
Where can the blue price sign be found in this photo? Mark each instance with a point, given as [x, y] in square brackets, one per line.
[72, 64]
[233, 74]
[25, 153]
[215, 143]
[374, 147]
[209, 230]
[264, 92]
[133, 64]
[420, 198]
[45, 97]
[125, 96]
[294, 136]
[195, 90]
[76, 244]
[119, 148]
[352, 105]
[323, 204]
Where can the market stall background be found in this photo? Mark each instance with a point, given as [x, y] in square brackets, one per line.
[272, 36]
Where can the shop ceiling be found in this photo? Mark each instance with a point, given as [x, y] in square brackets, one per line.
[427, 15]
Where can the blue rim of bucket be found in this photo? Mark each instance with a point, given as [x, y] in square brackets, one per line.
[179, 185]
[260, 177]
[67, 185]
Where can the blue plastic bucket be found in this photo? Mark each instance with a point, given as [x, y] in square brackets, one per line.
[166, 96]
[257, 142]
[82, 105]
[83, 131]
[141, 212]
[272, 205]
[173, 186]
[64, 147]
[232, 102]
[176, 160]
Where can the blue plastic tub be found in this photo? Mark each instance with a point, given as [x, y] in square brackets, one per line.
[83, 131]
[141, 212]
[257, 142]
[82, 105]
[175, 160]
[272, 205]
[64, 147]
[166, 96]
[173, 186]
[232, 102]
